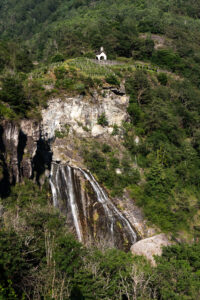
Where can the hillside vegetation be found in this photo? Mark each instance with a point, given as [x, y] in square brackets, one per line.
[76, 28]
[46, 50]
[40, 259]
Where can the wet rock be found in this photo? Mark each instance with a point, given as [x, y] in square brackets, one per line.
[135, 216]
[89, 212]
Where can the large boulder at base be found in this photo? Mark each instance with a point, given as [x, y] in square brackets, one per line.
[151, 246]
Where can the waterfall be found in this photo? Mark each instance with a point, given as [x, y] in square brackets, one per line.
[53, 188]
[72, 200]
[112, 211]
[77, 193]
[65, 191]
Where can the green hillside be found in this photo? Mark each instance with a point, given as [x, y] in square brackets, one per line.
[76, 28]
[156, 48]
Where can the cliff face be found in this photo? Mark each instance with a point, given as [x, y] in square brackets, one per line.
[24, 152]
[80, 114]
[18, 149]
[31, 150]
[27, 146]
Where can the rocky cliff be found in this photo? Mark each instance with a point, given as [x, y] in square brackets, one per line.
[32, 149]
[27, 145]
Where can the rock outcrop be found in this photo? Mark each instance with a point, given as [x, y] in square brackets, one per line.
[20, 143]
[26, 145]
[80, 115]
[28, 149]
[151, 246]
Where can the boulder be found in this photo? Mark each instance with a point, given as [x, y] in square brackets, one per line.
[151, 246]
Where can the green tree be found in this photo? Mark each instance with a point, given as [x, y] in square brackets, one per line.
[177, 272]
[12, 93]
[68, 255]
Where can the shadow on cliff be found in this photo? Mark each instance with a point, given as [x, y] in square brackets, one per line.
[22, 140]
[42, 159]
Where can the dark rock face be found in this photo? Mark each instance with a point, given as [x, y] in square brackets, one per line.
[4, 175]
[23, 153]
[10, 142]
[91, 214]
[41, 160]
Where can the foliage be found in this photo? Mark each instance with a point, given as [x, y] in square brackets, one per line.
[104, 163]
[68, 255]
[178, 272]
[12, 264]
[166, 58]
[162, 78]
[102, 120]
[165, 150]
[56, 29]
[115, 130]
[60, 72]
[24, 195]
[14, 57]
[57, 58]
[38, 256]
[111, 79]
[63, 133]
[13, 94]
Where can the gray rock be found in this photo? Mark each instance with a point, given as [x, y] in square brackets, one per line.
[1, 210]
[151, 246]
[78, 113]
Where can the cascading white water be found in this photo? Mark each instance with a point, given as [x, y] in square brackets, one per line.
[68, 187]
[69, 195]
[72, 201]
[53, 188]
[107, 204]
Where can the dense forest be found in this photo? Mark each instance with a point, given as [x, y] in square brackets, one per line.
[157, 45]
[77, 28]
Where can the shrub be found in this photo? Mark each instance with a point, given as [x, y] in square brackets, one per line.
[177, 272]
[162, 78]
[115, 130]
[135, 112]
[166, 58]
[106, 148]
[112, 79]
[68, 254]
[13, 93]
[57, 58]
[89, 55]
[80, 87]
[60, 72]
[67, 83]
[102, 120]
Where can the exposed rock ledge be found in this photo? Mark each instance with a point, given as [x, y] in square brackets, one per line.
[80, 114]
[151, 246]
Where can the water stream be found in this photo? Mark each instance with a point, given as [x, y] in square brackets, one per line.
[88, 209]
